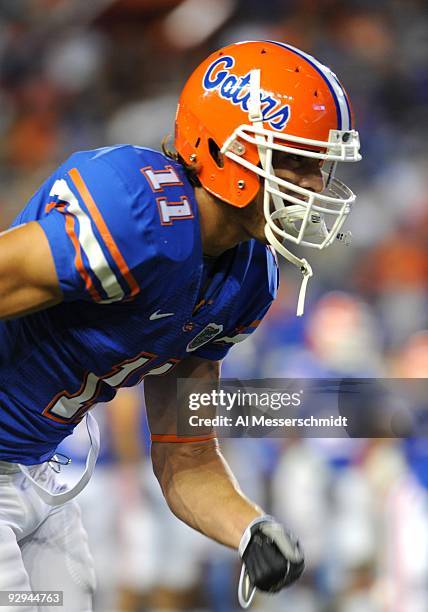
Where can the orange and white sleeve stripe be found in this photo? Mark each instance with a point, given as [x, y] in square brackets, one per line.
[85, 241]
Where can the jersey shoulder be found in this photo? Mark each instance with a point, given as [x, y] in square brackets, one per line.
[116, 218]
[161, 200]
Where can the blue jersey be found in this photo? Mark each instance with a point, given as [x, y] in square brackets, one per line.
[122, 225]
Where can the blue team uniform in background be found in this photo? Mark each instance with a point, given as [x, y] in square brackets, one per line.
[122, 225]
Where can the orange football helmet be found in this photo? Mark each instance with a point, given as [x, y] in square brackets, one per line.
[250, 99]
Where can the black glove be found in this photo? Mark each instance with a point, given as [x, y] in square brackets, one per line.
[272, 559]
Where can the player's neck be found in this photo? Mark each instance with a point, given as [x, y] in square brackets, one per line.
[219, 229]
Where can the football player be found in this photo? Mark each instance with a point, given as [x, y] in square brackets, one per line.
[128, 264]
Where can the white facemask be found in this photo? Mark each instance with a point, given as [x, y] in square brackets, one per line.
[293, 213]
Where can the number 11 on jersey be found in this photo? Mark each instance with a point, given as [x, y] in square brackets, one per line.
[168, 211]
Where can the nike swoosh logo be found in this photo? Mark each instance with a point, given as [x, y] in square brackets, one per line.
[160, 315]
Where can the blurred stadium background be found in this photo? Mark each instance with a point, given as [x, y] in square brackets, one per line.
[76, 75]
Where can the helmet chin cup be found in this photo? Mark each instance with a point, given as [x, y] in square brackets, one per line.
[290, 218]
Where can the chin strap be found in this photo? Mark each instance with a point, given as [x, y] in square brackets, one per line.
[304, 266]
[306, 270]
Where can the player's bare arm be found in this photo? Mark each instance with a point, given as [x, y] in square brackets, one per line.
[202, 491]
[195, 478]
[28, 280]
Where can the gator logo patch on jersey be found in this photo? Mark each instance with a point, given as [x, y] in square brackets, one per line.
[208, 333]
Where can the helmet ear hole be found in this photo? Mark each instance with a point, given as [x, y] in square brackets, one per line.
[214, 150]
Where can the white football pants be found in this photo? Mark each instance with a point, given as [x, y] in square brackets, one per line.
[42, 547]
